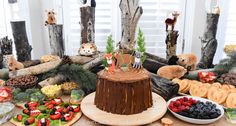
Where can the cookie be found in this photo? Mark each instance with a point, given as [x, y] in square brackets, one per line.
[217, 95]
[199, 90]
[231, 100]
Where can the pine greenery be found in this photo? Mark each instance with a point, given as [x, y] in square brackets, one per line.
[141, 44]
[110, 46]
[141, 41]
[225, 65]
[76, 73]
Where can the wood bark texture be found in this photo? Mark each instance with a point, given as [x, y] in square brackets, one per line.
[171, 43]
[209, 42]
[134, 95]
[6, 49]
[87, 17]
[130, 15]
[56, 39]
[88, 62]
[53, 80]
[23, 49]
[164, 87]
[31, 63]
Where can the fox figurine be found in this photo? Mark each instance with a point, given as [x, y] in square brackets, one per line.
[111, 63]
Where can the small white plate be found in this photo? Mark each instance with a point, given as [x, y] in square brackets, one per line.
[192, 120]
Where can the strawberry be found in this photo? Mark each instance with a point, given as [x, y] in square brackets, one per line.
[19, 117]
[4, 94]
[35, 112]
[50, 106]
[29, 121]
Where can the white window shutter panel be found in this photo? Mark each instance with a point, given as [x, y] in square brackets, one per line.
[152, 23]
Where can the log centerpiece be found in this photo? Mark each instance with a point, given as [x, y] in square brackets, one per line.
[124, 92]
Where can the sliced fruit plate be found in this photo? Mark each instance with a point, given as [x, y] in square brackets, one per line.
[48, 113]
[195, 110]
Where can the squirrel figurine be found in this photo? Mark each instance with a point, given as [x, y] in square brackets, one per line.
[13, 64]
[50, 17]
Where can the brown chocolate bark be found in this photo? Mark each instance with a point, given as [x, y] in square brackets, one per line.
[124, 92]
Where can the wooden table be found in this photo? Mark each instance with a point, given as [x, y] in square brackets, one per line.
[84, 121]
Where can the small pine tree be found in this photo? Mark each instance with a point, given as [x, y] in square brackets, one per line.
[110, 46]
[141, 44]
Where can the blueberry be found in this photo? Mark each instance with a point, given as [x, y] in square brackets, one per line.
[63, 118]
[26, 123]
[52, 112]
[54, 109]
[26, 106]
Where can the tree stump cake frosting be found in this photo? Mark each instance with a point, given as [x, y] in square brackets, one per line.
[124, 92]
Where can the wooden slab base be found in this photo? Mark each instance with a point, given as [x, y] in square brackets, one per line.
[152, 114]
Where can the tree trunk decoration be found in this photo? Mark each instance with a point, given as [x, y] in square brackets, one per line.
[6, 49]
[23, 49]
[171, 42]
[209, 42]
[130, 15]
[56, 39]
[87, 16]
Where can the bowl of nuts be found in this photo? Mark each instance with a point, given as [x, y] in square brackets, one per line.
[22, 82]
[67, 87]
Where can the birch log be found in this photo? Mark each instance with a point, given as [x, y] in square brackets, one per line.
[53, 80]
[130, 15]
[45, 67]
[171, 43]
[87, 22]
[209, 42]
[56, 39]
[23, 49]
[6, 49]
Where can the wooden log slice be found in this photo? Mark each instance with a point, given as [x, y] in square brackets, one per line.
[124, 93]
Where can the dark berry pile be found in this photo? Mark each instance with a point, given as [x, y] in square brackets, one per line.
[195, 109]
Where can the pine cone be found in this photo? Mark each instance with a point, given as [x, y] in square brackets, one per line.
[66, 60]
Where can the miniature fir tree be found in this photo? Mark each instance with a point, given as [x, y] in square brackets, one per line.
[109, 47]
[141, 44]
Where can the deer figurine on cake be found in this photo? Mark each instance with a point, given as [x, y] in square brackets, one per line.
[171, 22]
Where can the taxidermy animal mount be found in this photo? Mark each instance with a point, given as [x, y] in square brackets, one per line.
[13, 64]
[50, 17]
[85, 3]
[171, 22]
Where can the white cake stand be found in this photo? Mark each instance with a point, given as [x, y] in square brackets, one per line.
[152, 114]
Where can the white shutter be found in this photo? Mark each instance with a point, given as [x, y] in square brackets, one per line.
[230, 23]
[3, 26]
[108, 21]
[152, 23]
[103, 24]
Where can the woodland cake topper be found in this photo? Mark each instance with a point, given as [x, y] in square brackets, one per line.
[118, 60]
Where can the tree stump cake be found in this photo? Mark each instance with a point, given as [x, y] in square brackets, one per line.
[124, 92]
